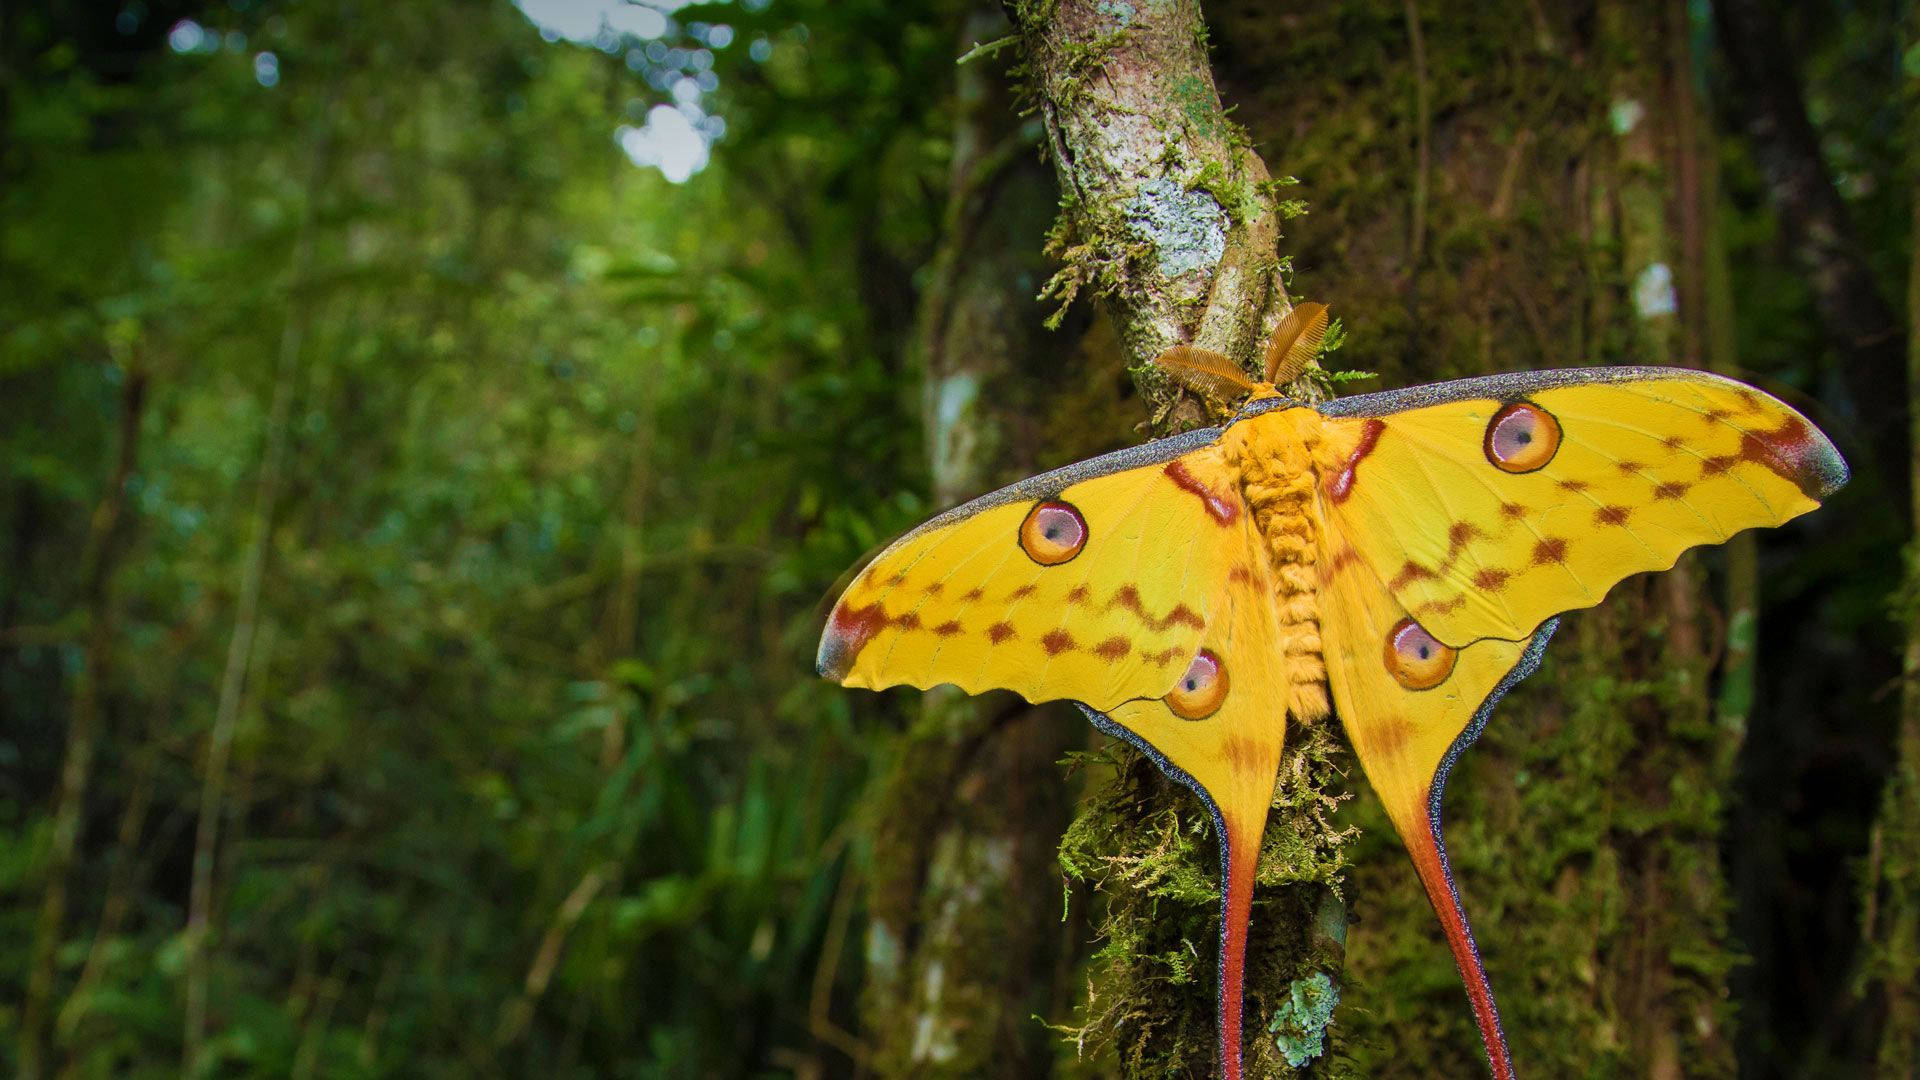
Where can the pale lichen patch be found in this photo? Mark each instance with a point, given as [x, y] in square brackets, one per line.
[1187, 228]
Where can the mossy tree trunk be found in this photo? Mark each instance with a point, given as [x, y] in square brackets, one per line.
[1497, 189]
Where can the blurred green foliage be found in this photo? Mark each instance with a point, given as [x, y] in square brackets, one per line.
[528, 775]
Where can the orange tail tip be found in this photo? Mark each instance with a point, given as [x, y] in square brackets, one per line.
[1239, 854]
[1430, 861]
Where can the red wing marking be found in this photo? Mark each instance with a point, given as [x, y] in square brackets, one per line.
[999, 632]
[1787, 450]
[1128, 597]
[1222, 509]
[1056, 642]
[1113, 648]
[852, 628]
[1340, 484]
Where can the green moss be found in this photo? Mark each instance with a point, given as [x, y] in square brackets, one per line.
[1147, 844]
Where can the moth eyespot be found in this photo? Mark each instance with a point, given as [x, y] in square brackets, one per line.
[1522, 437]
[1053, 533]
[1417, 659]
[1200, 691]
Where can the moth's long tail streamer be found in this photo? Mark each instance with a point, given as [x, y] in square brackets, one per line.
[1240, 853]
[1430, 860]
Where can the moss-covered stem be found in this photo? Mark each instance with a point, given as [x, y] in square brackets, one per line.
[1168, 214]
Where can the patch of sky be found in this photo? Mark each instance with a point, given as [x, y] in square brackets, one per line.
[677, 137]
[188, 36]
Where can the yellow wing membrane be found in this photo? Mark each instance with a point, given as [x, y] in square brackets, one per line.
[1487, 505]
[1094, 583]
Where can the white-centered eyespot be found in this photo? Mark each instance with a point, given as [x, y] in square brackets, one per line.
[1053, 533]
[1522, 437]
[1417, 659]
[1200, 691]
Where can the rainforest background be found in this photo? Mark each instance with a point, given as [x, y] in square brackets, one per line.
[430, 432]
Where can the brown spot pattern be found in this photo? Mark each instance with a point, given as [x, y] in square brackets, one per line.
[1409, 573]
[1611, 515]
[1127, 597]
[1245, 755]
[1113, 648]
[1056, 642]
[1550, 550]
[1491, 580]
[999, 632]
